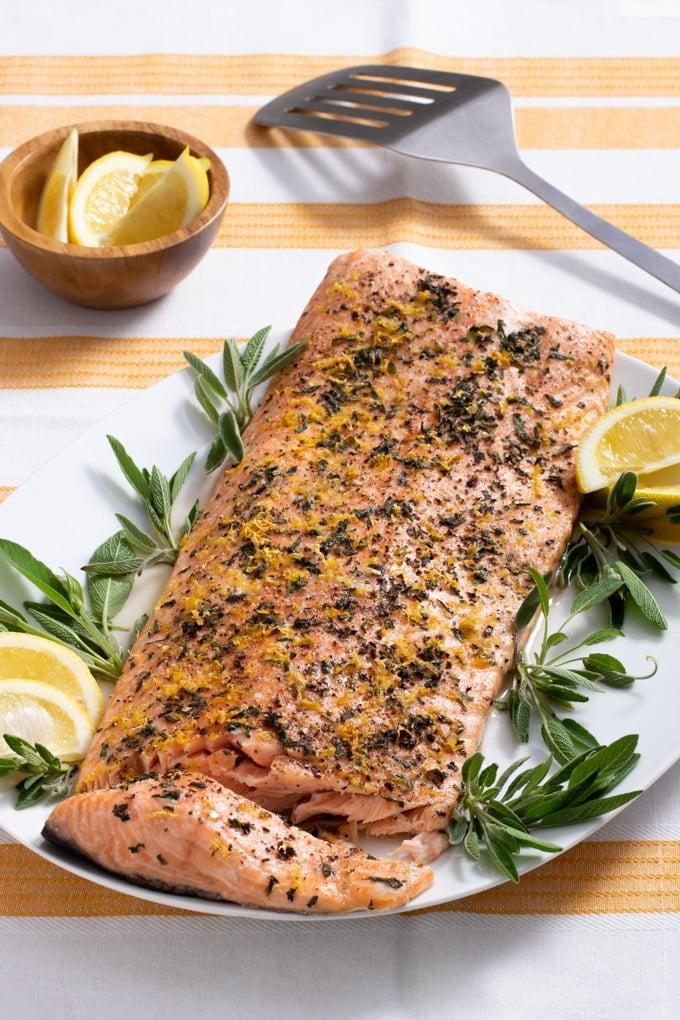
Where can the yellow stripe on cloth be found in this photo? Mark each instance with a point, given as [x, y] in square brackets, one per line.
[33, 887]
[619, 127]
[269, 73]
[5, 491]
[641, 876]
[130, 362]
[481, 227]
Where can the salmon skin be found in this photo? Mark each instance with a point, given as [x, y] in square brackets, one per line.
[186, 833]
[342, 614]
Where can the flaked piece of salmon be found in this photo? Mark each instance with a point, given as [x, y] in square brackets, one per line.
[342, 614]
[186, 833]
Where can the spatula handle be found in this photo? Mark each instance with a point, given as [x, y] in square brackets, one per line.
[635, 251]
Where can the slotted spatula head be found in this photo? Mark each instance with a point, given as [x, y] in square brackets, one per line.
[401, 108]
[453, 118]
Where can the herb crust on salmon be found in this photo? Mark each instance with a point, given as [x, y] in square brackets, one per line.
[342, 614]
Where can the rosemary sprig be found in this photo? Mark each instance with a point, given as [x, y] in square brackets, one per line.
[612, 547]
[44, 774]
[243, 371]
[561, 672]
[499, 814]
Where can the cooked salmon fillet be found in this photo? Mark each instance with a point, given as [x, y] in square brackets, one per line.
[186, 833]
[342, 614]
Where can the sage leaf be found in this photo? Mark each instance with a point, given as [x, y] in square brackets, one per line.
[231, 436]
[109, 593]
[38, 573]
[596, 593]
[232, 367]
[642, 596]
[253, 349]
[206, 375]
[137, 478]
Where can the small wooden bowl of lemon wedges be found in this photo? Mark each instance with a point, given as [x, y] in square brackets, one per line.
[111, 214]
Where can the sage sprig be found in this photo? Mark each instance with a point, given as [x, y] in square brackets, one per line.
[132, 549]
[498, 814]
[560, 671]
[43, 773]
[612, 547]
[228, 403]
[65, 615]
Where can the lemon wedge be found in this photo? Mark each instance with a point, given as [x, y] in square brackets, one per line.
[640, 435]
[102, 196]
[40, 713]
[36, 658]
[151, 176]
[179, 196]
[53, 209]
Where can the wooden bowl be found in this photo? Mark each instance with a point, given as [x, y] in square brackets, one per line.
[108, 277]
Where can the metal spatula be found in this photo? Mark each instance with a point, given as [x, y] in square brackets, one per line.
[453, 118]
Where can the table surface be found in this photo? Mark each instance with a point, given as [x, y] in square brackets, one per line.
[596, 96]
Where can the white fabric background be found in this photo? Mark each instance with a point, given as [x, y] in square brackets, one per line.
[394, 968]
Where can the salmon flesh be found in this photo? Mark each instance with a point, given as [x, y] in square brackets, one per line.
[186, 833]
[341, 617]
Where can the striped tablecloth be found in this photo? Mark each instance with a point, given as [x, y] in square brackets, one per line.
[596, 90]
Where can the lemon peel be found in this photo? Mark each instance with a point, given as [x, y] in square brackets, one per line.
[53, 210]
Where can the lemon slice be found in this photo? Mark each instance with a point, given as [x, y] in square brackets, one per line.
[641, 436]
[36, 658]
[41, 713]
[56, 195]
[102, 196]
[178, 197]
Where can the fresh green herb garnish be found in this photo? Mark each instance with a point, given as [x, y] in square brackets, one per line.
[499, 814]
[566, 676]
[243, 372]
[612, 548]
[65, 616]
[83, 619]
[133, 549]
[44, 774]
